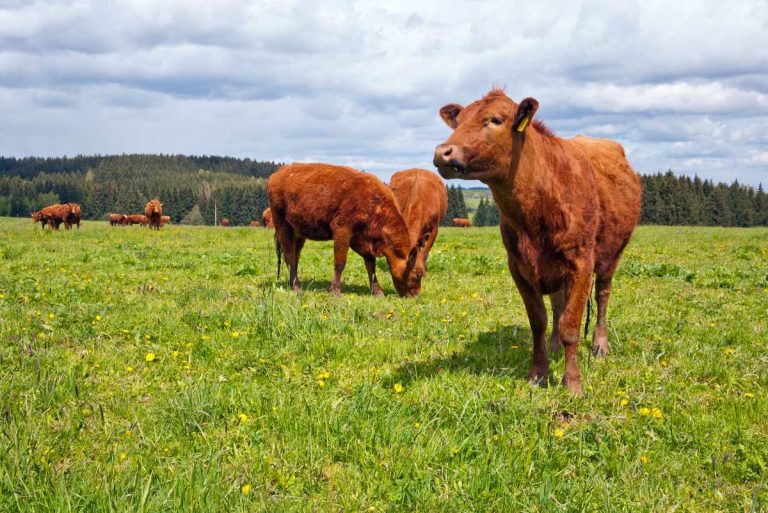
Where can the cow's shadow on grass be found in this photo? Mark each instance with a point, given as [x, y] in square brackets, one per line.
[504, 351]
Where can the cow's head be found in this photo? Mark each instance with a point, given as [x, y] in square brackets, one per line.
[408, 272]
[486, 135]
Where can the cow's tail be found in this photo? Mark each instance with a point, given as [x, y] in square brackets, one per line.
[279, 255]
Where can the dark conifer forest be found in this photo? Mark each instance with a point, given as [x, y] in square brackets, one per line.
[195, 189]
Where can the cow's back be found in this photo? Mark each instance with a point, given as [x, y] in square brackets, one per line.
[620, 195]
[313, 197]
[421, 198]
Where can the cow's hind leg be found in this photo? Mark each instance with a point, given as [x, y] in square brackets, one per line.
[537, 318]
[288, 245]
[603, 286]
[558, 304]
[370, 266]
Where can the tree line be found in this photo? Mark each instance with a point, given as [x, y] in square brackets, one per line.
[198, 189]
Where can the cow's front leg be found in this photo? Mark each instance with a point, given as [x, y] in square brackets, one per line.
[370, 267]
[577, 292]
[340, 250]
[537, 318]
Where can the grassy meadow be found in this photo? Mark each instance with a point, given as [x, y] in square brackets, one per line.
[167, 371]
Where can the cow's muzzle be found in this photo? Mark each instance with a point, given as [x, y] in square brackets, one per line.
[449, 161]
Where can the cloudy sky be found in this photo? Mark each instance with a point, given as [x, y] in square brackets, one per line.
[682, 85]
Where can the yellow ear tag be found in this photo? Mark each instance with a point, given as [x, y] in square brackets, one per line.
[523, 124]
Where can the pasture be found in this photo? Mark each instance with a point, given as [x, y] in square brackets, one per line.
[166, 371]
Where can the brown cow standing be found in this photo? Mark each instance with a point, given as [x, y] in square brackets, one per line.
[74, 215]
[41, 217]
[132, 219]
[154, 213]
[461, 222]
[165, 220]
[568, 208]
[54, 215]
[266, 218]
[355, 210]
[423, 201]
[116, 219]
[225, 222]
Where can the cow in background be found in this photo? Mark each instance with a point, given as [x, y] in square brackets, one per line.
[54, 215]
[74, 215]
[423, 200]
[225, 222]
[266, 218]
[461, 222]
[132, 219]
[255, 224]
[568, 209]
[117, 219]
[154, 213]
[42, 218]
[165, 220]
[355, 210]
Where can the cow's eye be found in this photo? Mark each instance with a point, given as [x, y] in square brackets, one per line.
[495, 120]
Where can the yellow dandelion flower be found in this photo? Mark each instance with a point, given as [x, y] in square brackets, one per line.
[246, 489]
[175, 354]
[122, 456]
[2, 296]
[227, 324]
[749, 395]
[559, 432]
[372, 509]
[644, 459]
[243, 418]
[455, 451]
[262, 360]
[150, 357]
[51, 316]
[398, 388]
[496, 437]
[320, 383]
[624, 402]
[656, 413]
[324, 375]
[644, 411]
[147, 337]
[663, 363]
[729, 351]
[98, 317]
[129, 369]
[417, 425]
[204, 337]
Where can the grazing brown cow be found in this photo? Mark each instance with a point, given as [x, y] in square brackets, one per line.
[254, 224]
[165, 220]
[116, 219]
[41, 217]
[568, 208]
[266, 218]
[132, 219]
[225, 222]
[423, 200]
[355, 210]
[74, 215]
[154, 213]
[54, 215]
[461, 222]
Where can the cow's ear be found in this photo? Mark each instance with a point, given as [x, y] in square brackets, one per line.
[525, 112]
[450, 113]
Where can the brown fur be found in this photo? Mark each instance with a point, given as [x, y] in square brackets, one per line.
[165, 220]
[54, 215]
[117, 219]
[461, 222]
[266, 218]
[154, 213]
[225, 222]
[568, 208]
[74, 214]
[255, 224]
[354, 209]
[422, 199]
[132, 219]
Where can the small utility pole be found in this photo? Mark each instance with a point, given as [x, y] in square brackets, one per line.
[215, 214]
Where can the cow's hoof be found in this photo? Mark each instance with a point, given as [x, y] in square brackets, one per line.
[573, 385]
[377, 292]
[336, 291]
[538, 377]
[600, 347]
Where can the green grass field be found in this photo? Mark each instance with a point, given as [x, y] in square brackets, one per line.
[166, 371]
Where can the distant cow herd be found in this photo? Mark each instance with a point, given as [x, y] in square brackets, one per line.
[568, 209]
